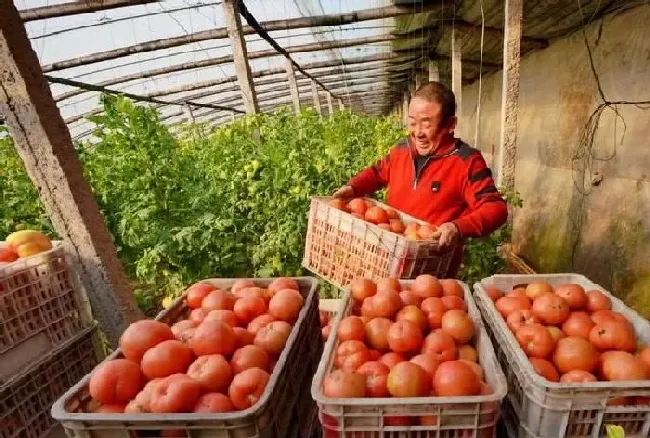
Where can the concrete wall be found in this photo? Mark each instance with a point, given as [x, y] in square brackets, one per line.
[601, 230]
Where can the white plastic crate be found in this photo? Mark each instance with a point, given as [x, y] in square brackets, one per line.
[472, 416]
[538, 408]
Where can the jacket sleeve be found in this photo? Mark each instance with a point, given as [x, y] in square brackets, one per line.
[487, 209]
[372, 178]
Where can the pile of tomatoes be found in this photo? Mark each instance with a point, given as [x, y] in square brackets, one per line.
[385, 218]
[219, 359]
[414, 342]
[571, 335]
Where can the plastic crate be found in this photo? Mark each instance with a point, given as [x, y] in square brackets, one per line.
[340, 248]
[42, 304]
[538, 408]
[26, 400]
[271, 417]
[471, 416]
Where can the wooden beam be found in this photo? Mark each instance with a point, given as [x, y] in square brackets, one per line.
[341, 106]
[219, 33]
[240, 55]
[44, 144]
[456, 71]
[293, 85]
[77, 7]
[405, 108]
[330, 105]
[510, 95]
[434, 74]
[315, 98]
[495, 33]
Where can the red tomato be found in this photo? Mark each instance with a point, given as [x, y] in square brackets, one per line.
[613, 335]
[244, 337]
[350, 355]
[358, 206]
[644, 355]
[273, 337]
[175, 393]
[536, 290]
[212, 372]
[196, 293]
[166, 358]
[341, 384]
[453, 302]
[441, 345]
[596, 300]
[389, 284]
[578, 324]
[142, 335]
[426, 286]
[258, 323]
[467, 352]
[551, 309]
[116, 381]
[7, 255]
[250, 356]
[507, 305]
[247, 387]
[545, 369]
[407, 379]
[362, 288]
[434, 309]
[376, 215]
[493, 293]
[577, 376]
[573, 294]
[249, 308]
[410, 298]
[226, 316]
[198, 315]
[520, 318]
[377, 333]
[456, 378]
[213, 402]
[458, 325]
[404, 337]
[575, 353]
[240, 284]
[413, 314]
[535, 340]
[218, 300]
[391, 359]
[283, 283]
[452, 288]
[620, 365]
[213, 337]
[286, 305]
[352, 328]
[376, 378]
[184, 330]
[427, 362]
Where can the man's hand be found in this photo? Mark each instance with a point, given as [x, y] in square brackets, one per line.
[447, 234]
[344, 192]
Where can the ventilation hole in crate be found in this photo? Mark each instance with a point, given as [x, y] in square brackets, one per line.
[631, 422]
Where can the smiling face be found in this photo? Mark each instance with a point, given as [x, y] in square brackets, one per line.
[426, 128]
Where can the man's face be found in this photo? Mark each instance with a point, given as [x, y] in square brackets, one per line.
[424, 125]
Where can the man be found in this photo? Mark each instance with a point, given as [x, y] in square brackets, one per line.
[435, 177]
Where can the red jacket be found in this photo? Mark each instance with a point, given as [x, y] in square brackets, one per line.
[455, 185]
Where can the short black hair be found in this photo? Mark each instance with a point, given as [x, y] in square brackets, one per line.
[437, 92]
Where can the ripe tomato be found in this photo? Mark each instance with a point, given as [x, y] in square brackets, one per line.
[175, 393]
[517, 292]
[456, 378]
[166, 358]
[467, 352]
[141, 336]
[339, 204]
[391, 359]
[377, 333]
[536, 290]
[362, 288]
[391, 213]
[427, 362]
[7, 255]
[375, 355]
[247, 387]
[324, 318]
[413, 314]
[325, 332]
[389, 284]
[376, 215]
[282, 283]
[213, 402]
[426, 286]
[410, 298]
[141, 403]
[397, 226]
[184, 330]
[458, 325]
[358, 206]
[426, 231]
[620, 365]
[115, 381]
[573, 294]
[385, 304]
[273, 337]
[441, 345]
[350, 355]
[555, 332]
[376, 378]
[434, 309]
[407, 379]
[218, 300]
[535, 340]
[551, 309]
[613, 335]
[577, 376]
[341, 384]
[545, 369]
[258, 323]
[286, 305]
[196, 293]
[428, 420]
[453, 302]
[519, 318]
[601, 316]
[398, 420]
[248, 308]
[213, 372]
[213, 337]
[596, 300]
[575, 353]
[198, 315]
[578, 324]
[117, 408]
[452, 288]
[475, 367]
[507, 305]
[493, 293]
[404, 337]
[352, 328]
[249, 356]
[252, 292]
[644, 355]
[226, 316]
[240, 284]
[244, 337]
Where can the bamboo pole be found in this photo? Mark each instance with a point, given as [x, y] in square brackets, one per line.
[77, 7]
[434, 75]
[293, 85]
[456, 71]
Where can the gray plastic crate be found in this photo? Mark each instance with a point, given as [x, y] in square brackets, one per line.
[537, 408]
[472, 416]
[271, 417]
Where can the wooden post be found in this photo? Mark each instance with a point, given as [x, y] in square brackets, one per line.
[405, 107]
[434, 75]
[510, 95]
[341, 106]
[456, 70]
[243, 70]
[314, 96]
[330, 105]
[187, 109]
[293, 85]
[44, 144]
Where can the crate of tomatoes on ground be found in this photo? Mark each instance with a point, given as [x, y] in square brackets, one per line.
[407, 358]
[576, 357]
[230, 358]
[363, 238]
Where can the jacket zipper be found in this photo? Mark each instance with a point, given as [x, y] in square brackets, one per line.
[417, 174]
